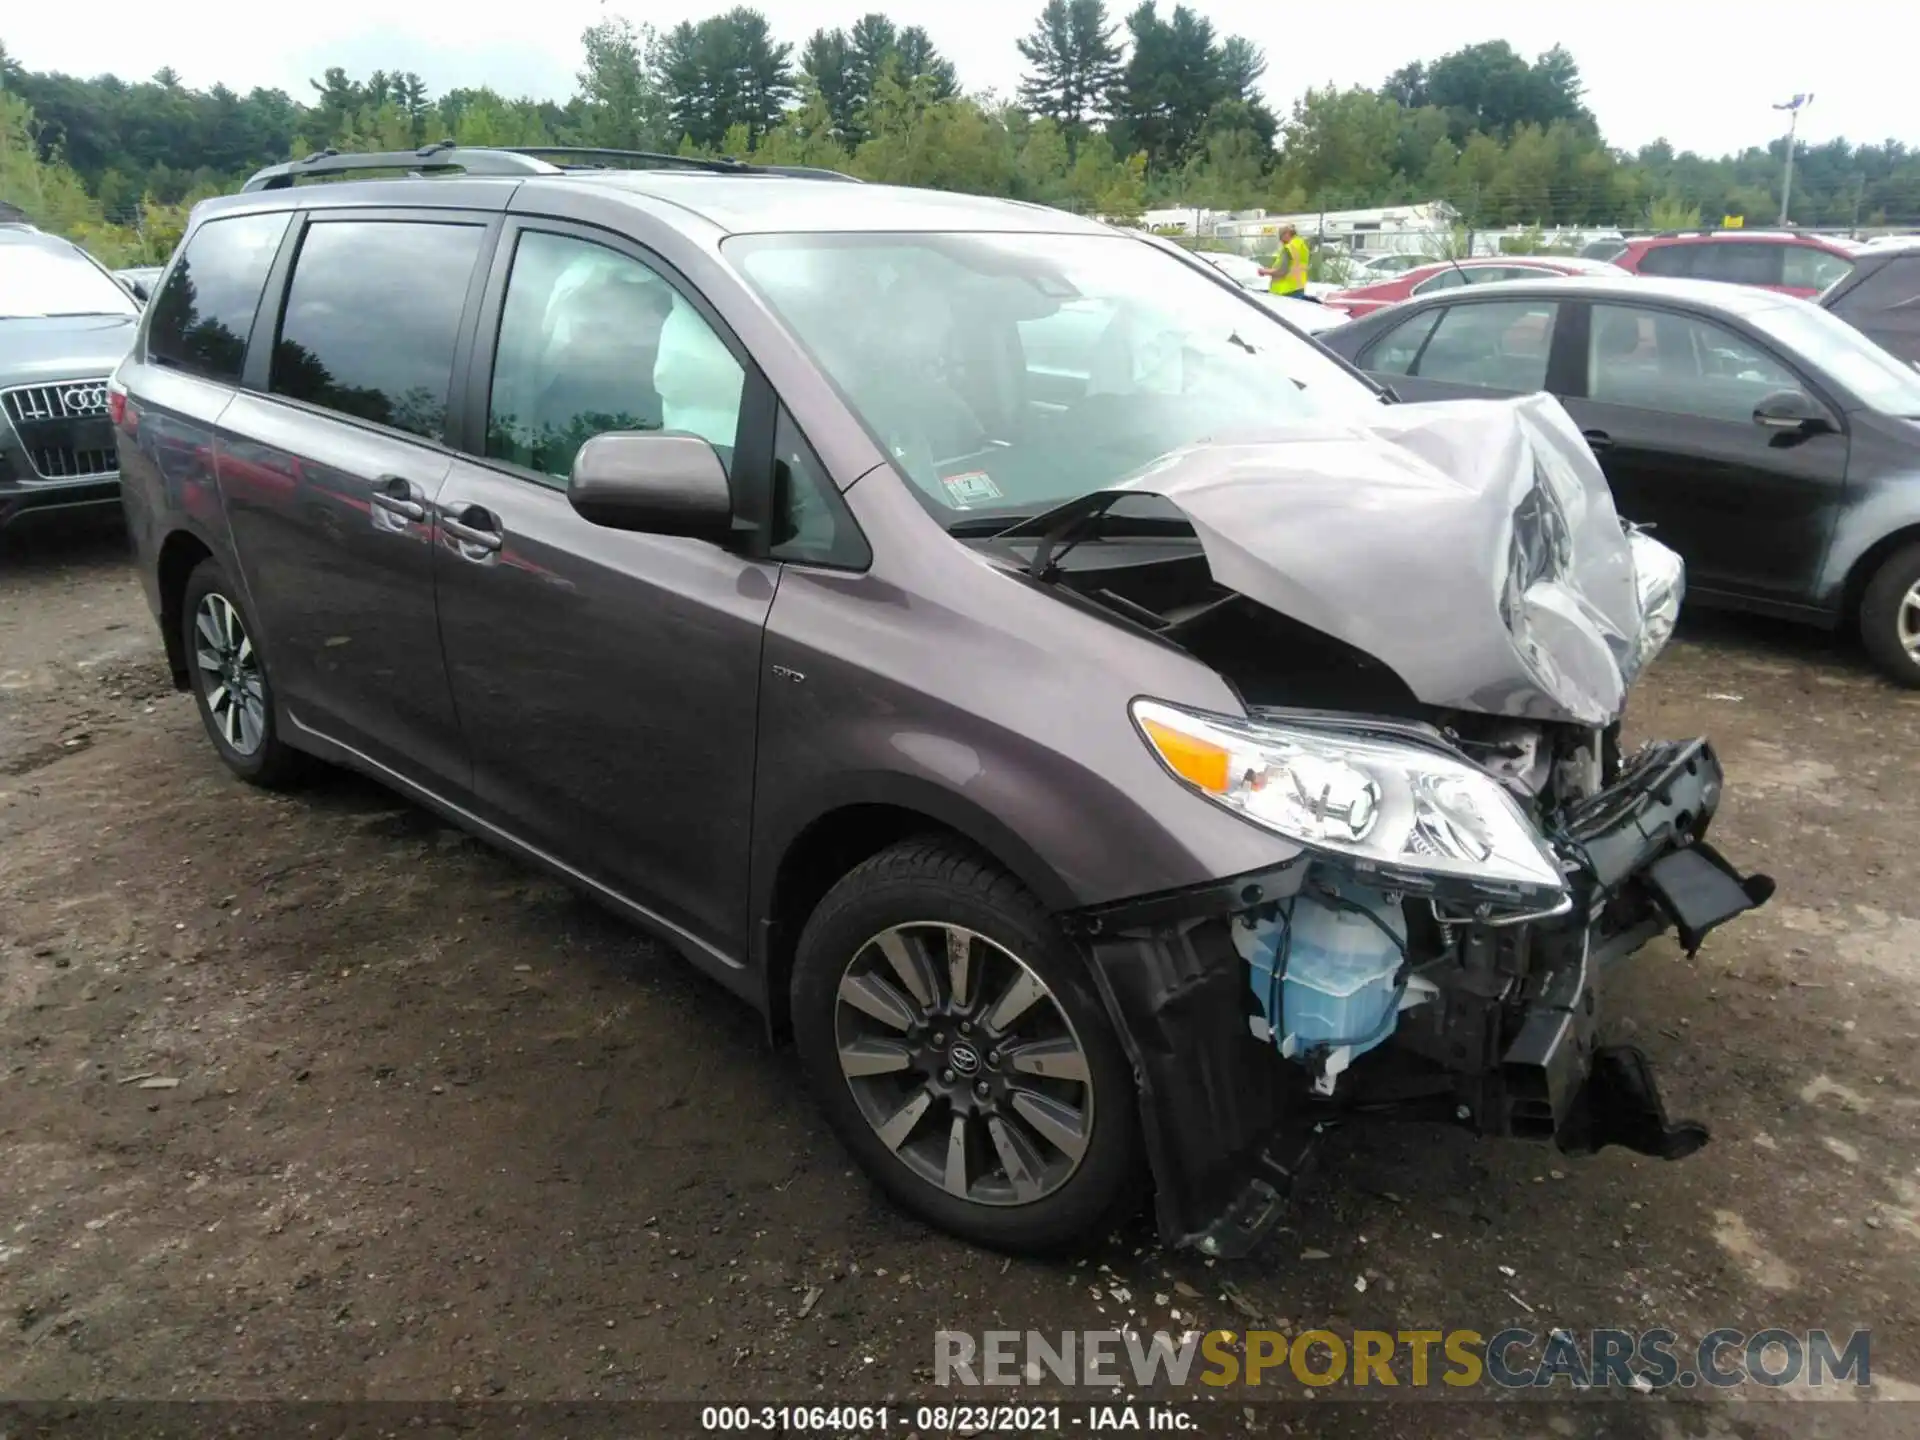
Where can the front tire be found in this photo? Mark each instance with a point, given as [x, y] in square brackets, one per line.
[1890, 617]
[955, 1040]
[228, 672]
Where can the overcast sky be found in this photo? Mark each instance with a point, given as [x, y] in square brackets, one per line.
[1702, 73]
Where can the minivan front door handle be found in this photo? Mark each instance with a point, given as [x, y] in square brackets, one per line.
[473, 527]
[398, 498]
[1597, 440]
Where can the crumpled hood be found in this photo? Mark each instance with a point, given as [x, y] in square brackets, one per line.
[1470, 546]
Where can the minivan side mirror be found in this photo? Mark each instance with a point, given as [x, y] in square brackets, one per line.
[659, 483]
[1791, 410]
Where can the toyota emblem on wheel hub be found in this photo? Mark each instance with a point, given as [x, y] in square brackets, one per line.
[964, 1059]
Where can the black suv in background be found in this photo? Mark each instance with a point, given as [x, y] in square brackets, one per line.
[64, 324]
[850, 583]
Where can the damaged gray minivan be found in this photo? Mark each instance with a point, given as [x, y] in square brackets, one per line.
[1106, 734]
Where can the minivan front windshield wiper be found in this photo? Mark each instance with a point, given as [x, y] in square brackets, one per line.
[985, 527]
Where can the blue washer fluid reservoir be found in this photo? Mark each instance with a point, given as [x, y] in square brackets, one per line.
[1324, 975]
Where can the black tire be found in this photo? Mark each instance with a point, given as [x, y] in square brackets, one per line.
[935, 881]
[270, 762]
[1882, 606]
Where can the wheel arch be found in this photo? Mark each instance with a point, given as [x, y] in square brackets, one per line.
[861, 817]
[180, 554]
[1860, 574]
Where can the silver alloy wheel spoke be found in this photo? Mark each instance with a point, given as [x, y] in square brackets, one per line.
[894, 1133]
[959, 966]
[924, 1032]
[871, 995]
[956, 1170]
[910, 965]
[230, 678]
[1061, 1126]
[1061, 1059]
[1016, 1159]
[1016, 1001]
[1907, 622]
[868, 1056]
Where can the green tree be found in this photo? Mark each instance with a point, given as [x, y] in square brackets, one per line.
[1073, 65]
[1172, 80]
[621, 104]
[846, 67]
[725, 71]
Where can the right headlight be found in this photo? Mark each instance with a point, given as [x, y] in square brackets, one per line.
[1409, 813]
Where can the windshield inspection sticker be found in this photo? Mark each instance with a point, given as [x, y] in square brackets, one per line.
[972, 488]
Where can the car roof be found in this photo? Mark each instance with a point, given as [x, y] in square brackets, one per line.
[734, 204]
[1839, 243]
[777, 203]
[1710, 294]
[1577, 263]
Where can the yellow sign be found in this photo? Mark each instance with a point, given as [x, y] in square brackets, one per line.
[1733, 222]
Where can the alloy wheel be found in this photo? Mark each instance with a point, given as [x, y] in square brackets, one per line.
[1906, 621]
[963, 1062]
[229, 672]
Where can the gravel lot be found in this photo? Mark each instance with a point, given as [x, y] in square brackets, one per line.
[442, 1129]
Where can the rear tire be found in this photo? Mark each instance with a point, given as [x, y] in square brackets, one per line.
[1890, 617]
[228, 672]
[956, 1043]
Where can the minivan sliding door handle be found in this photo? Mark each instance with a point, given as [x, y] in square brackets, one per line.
[483, 535]
[395, 496]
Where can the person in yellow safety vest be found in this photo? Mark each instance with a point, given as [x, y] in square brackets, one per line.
[1288, 273]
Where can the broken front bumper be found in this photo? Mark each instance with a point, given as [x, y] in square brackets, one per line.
[1228, 1124]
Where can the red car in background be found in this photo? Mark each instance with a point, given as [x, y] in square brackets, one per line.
[1445, 274]
[1786, 260]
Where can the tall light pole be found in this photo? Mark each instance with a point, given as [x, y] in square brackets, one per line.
[1793, 108]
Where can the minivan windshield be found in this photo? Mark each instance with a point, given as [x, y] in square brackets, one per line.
[38, 281]
[1879, 378]
[1012, 372]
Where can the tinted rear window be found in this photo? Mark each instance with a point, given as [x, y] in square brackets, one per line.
[1738, 262]
[371, 319]
[204, 313]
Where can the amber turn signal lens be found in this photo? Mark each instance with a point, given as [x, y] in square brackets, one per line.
[1198, 762]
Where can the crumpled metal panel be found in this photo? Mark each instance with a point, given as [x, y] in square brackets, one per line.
[1470, 546]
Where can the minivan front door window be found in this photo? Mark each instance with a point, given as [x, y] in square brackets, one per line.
[591, 341]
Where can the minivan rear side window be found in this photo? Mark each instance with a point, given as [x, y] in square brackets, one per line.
[204, 313]
[372, 318]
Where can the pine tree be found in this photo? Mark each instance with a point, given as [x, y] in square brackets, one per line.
[1074, 62]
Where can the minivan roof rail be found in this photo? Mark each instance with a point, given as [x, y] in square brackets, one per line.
[444, 157]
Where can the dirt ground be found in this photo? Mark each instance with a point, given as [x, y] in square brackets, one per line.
[443, 1130]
